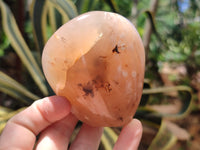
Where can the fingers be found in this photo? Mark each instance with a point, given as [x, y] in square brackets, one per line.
[57, 136]
[21, 130]
[130, 136]
[88, 138]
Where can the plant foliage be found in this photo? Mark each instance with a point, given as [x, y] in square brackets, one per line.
[46, 16]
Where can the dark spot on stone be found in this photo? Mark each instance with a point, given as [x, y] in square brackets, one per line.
[108, 87]
[115, 50]
[121, 119]
[99, 82]
[80, 84]
[87, 89]
[94, 81]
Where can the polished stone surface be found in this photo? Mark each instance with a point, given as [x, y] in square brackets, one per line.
[97, 62]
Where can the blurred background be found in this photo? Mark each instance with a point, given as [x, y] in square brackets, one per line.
[170, 30]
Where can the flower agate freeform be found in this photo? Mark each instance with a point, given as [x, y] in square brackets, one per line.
[97, 62]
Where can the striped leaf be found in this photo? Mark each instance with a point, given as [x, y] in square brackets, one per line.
[109, 138]
[4, 111]
[21, 48]
[53, 18]
[59, 12]
[15, 89]
[185, 97]
[65, 6]
[2, 125]
[6, 117]
[38, 13]
[164, 139]
[10, 114]
[149, 117]
[57, 17]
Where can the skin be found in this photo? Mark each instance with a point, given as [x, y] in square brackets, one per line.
[51, 118]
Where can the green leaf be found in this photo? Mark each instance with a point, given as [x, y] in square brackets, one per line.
[10, 114]
[185, 94]
[65, 6]
[59, 12]
[7, 116]
[4, 43]
[151, 124]
[53, 17]
[151, 17]
[112, 5]
[15, 89]
[38, 13]
[2, 125]
[57, 17]
[4, 110]
[21, 48]
[145, 97]
[148, 116]
[86, 5]
[109, 138]
[164, 139]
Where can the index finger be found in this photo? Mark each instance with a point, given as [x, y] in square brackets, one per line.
[21, 130]
[130, 136]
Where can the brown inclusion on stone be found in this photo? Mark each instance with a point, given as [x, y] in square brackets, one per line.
[115, 50]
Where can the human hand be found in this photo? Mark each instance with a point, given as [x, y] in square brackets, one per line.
[50, 118]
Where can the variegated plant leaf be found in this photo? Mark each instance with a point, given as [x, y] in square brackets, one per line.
[15, 89]
[186, 99]
[86, 5]
[38, 14]
[66, 6]
[164, 139]
[18, 43]
[109, 138]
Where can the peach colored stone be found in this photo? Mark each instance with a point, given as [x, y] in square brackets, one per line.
[97, 62]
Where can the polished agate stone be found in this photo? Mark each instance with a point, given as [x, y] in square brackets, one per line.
[97, 62]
